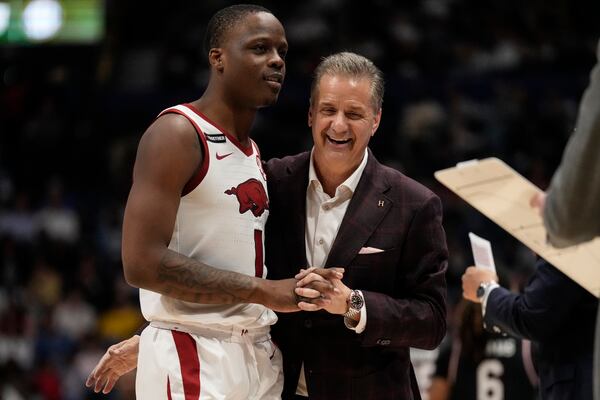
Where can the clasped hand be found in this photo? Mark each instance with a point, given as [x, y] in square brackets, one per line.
[313, 290]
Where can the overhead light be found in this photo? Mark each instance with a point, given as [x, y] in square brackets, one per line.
[4, 17]
[42, 19]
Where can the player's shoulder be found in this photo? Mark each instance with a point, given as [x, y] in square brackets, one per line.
[171, 128]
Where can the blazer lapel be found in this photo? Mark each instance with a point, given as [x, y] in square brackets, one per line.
[368, 206]
[294, 188]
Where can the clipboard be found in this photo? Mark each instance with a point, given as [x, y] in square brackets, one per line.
[502, 194]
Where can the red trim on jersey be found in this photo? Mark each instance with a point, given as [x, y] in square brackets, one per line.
[198, 176]
[168, 389]
[258, 257]
[189, 364]
[259, 160]
[256, 148]
[247, 150]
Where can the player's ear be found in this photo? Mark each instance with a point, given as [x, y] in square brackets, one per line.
[215, 58]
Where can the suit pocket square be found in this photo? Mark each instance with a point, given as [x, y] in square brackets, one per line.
[370, 250]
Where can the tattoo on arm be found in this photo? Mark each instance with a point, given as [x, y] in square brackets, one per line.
[186, 279]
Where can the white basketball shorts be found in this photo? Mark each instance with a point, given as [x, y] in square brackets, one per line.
[208, 364]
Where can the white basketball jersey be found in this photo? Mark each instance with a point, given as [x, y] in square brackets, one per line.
[220, 222]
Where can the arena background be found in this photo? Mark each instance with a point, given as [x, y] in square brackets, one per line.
[464, 79]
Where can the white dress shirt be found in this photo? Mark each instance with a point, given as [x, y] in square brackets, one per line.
[324, 215]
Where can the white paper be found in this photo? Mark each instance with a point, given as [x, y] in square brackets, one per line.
[482, 252]
[467, 163]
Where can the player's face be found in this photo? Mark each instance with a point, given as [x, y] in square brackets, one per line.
[343, 119]
[254, 60]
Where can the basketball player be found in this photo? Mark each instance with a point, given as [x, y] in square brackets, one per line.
[476, 364]
[194, 222]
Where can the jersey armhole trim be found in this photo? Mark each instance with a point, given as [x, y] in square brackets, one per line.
[256, 149]
[197, 178]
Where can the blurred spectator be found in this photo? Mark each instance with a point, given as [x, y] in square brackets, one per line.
[47, 381]
[14, 383]
[56, 220]
[73, 316]
[18, 222]
[423, 362]
[93, 282]
[46, 284]
[16, 346]
[52, 347]
[78, 368]
[123, 319]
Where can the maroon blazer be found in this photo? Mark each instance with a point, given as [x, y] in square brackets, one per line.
[404, 286]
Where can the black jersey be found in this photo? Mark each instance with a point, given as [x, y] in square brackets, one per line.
[504, 371]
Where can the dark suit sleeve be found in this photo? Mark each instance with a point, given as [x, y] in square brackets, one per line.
[540, 311]
[416, 315]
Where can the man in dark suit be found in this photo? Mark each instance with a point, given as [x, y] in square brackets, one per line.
[555, 313]
[337, 206]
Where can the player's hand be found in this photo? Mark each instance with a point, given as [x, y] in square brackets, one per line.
[278, 295]
[322, 288]
[472, 278]
[118, 360]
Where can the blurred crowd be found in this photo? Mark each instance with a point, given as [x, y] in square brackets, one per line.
[464, 79]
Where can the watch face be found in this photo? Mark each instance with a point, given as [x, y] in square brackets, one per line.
[480, 291]
[356, 301]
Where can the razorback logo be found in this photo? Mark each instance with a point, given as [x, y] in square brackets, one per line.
[252, 196]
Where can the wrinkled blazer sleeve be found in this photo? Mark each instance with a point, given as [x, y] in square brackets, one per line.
[572, 211]
[416, 315]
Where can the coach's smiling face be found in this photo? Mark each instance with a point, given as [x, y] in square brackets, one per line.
[343, 120]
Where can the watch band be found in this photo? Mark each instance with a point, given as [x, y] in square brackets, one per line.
[483, 292]
[351, 313]
[484, 287]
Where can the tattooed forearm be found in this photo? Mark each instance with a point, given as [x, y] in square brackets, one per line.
[190, 280]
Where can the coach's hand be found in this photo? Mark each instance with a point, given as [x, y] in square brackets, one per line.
[118, 360]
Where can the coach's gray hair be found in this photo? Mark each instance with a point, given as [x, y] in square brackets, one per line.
[351, 65]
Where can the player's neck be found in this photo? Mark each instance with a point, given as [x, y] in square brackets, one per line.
[236, 122]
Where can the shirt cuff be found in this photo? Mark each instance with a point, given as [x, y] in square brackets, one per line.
[486, 294]
[359, 326]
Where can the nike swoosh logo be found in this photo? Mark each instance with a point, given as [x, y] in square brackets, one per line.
[220, 157]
